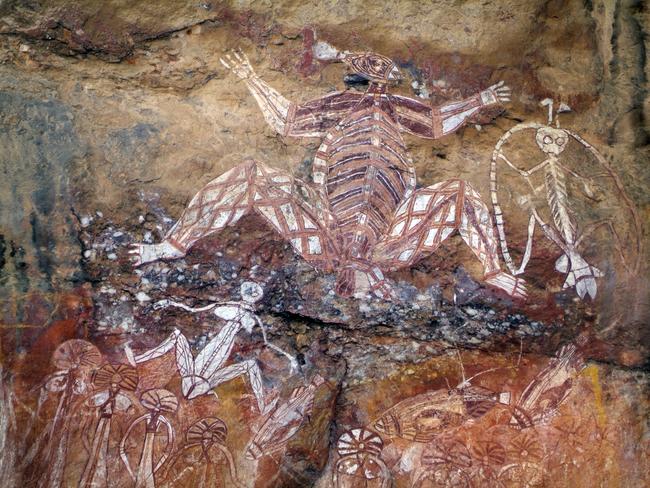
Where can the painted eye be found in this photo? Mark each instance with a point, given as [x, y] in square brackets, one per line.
[560, 141]
[547, 140]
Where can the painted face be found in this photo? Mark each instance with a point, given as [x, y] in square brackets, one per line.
[551, 141]
[374, 67]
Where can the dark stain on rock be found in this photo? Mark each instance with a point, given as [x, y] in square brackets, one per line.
[3, 249]
[131, 144]
[40, 146]
[43, 242]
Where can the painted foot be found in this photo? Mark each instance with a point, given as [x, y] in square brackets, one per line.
[130, 357]
[147, 253]
[515, 287]
[383, 290]
[579, 274]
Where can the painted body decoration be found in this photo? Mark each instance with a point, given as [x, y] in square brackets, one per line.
[284, 421]
[363, 215]
[157, 402]
[113, 382]
[436, 420]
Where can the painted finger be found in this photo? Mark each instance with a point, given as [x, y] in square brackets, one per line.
[224, 63]
[497, 85]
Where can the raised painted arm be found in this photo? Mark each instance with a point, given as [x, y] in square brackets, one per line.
[309, 119]
[429, 122]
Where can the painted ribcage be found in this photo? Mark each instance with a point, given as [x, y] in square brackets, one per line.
[368, 174]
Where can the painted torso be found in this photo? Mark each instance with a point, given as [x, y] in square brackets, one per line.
[368, 172]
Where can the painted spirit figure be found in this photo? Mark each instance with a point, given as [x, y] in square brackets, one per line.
[205, 372]
[563, 228]
[363, 215]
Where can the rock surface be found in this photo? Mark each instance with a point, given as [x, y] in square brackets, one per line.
[114, 114]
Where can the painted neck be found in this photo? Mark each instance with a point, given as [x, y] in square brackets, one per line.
[375, 88]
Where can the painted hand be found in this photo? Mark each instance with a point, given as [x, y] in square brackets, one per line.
[497, 93]
[239, 64]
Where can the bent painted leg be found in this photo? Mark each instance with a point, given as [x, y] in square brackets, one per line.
[192, 384]
[295, 211]
[252, 370]
[429, 216]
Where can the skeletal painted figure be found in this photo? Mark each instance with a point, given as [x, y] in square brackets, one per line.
[112, 382]
[157, 402]
[284, 421]
[360, 463]
[207, 438]
[74, 359]
[564, 230]
[203, 373]
[363, 215]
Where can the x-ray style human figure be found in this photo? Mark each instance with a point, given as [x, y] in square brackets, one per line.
[564, 229]
[203, 373]
[363, 215]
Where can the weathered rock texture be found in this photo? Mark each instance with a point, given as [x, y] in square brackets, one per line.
[113, 114]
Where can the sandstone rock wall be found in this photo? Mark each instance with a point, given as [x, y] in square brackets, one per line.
[114, 114]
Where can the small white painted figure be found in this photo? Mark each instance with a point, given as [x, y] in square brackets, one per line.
[564, 231]
[203, 373]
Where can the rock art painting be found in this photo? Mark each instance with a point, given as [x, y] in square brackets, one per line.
[240, 248]
[104, 407]
[563, 229]
[471, 436]
[361, 215]
[206, 371]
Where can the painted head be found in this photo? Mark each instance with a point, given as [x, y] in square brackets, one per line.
[370, 66]
[251, 292]
[551, 141]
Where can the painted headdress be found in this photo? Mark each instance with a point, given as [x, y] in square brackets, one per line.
[372, 66]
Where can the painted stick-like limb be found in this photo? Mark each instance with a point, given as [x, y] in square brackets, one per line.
[91, 476]
[636, 219]
[171, 303]
[232, 469]
[122, 450]
[524, 173]
[144, 478]
[549, 232]
[455, 114]
[249, 368]
[498, 212]
[169, 344]
[292, 360]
